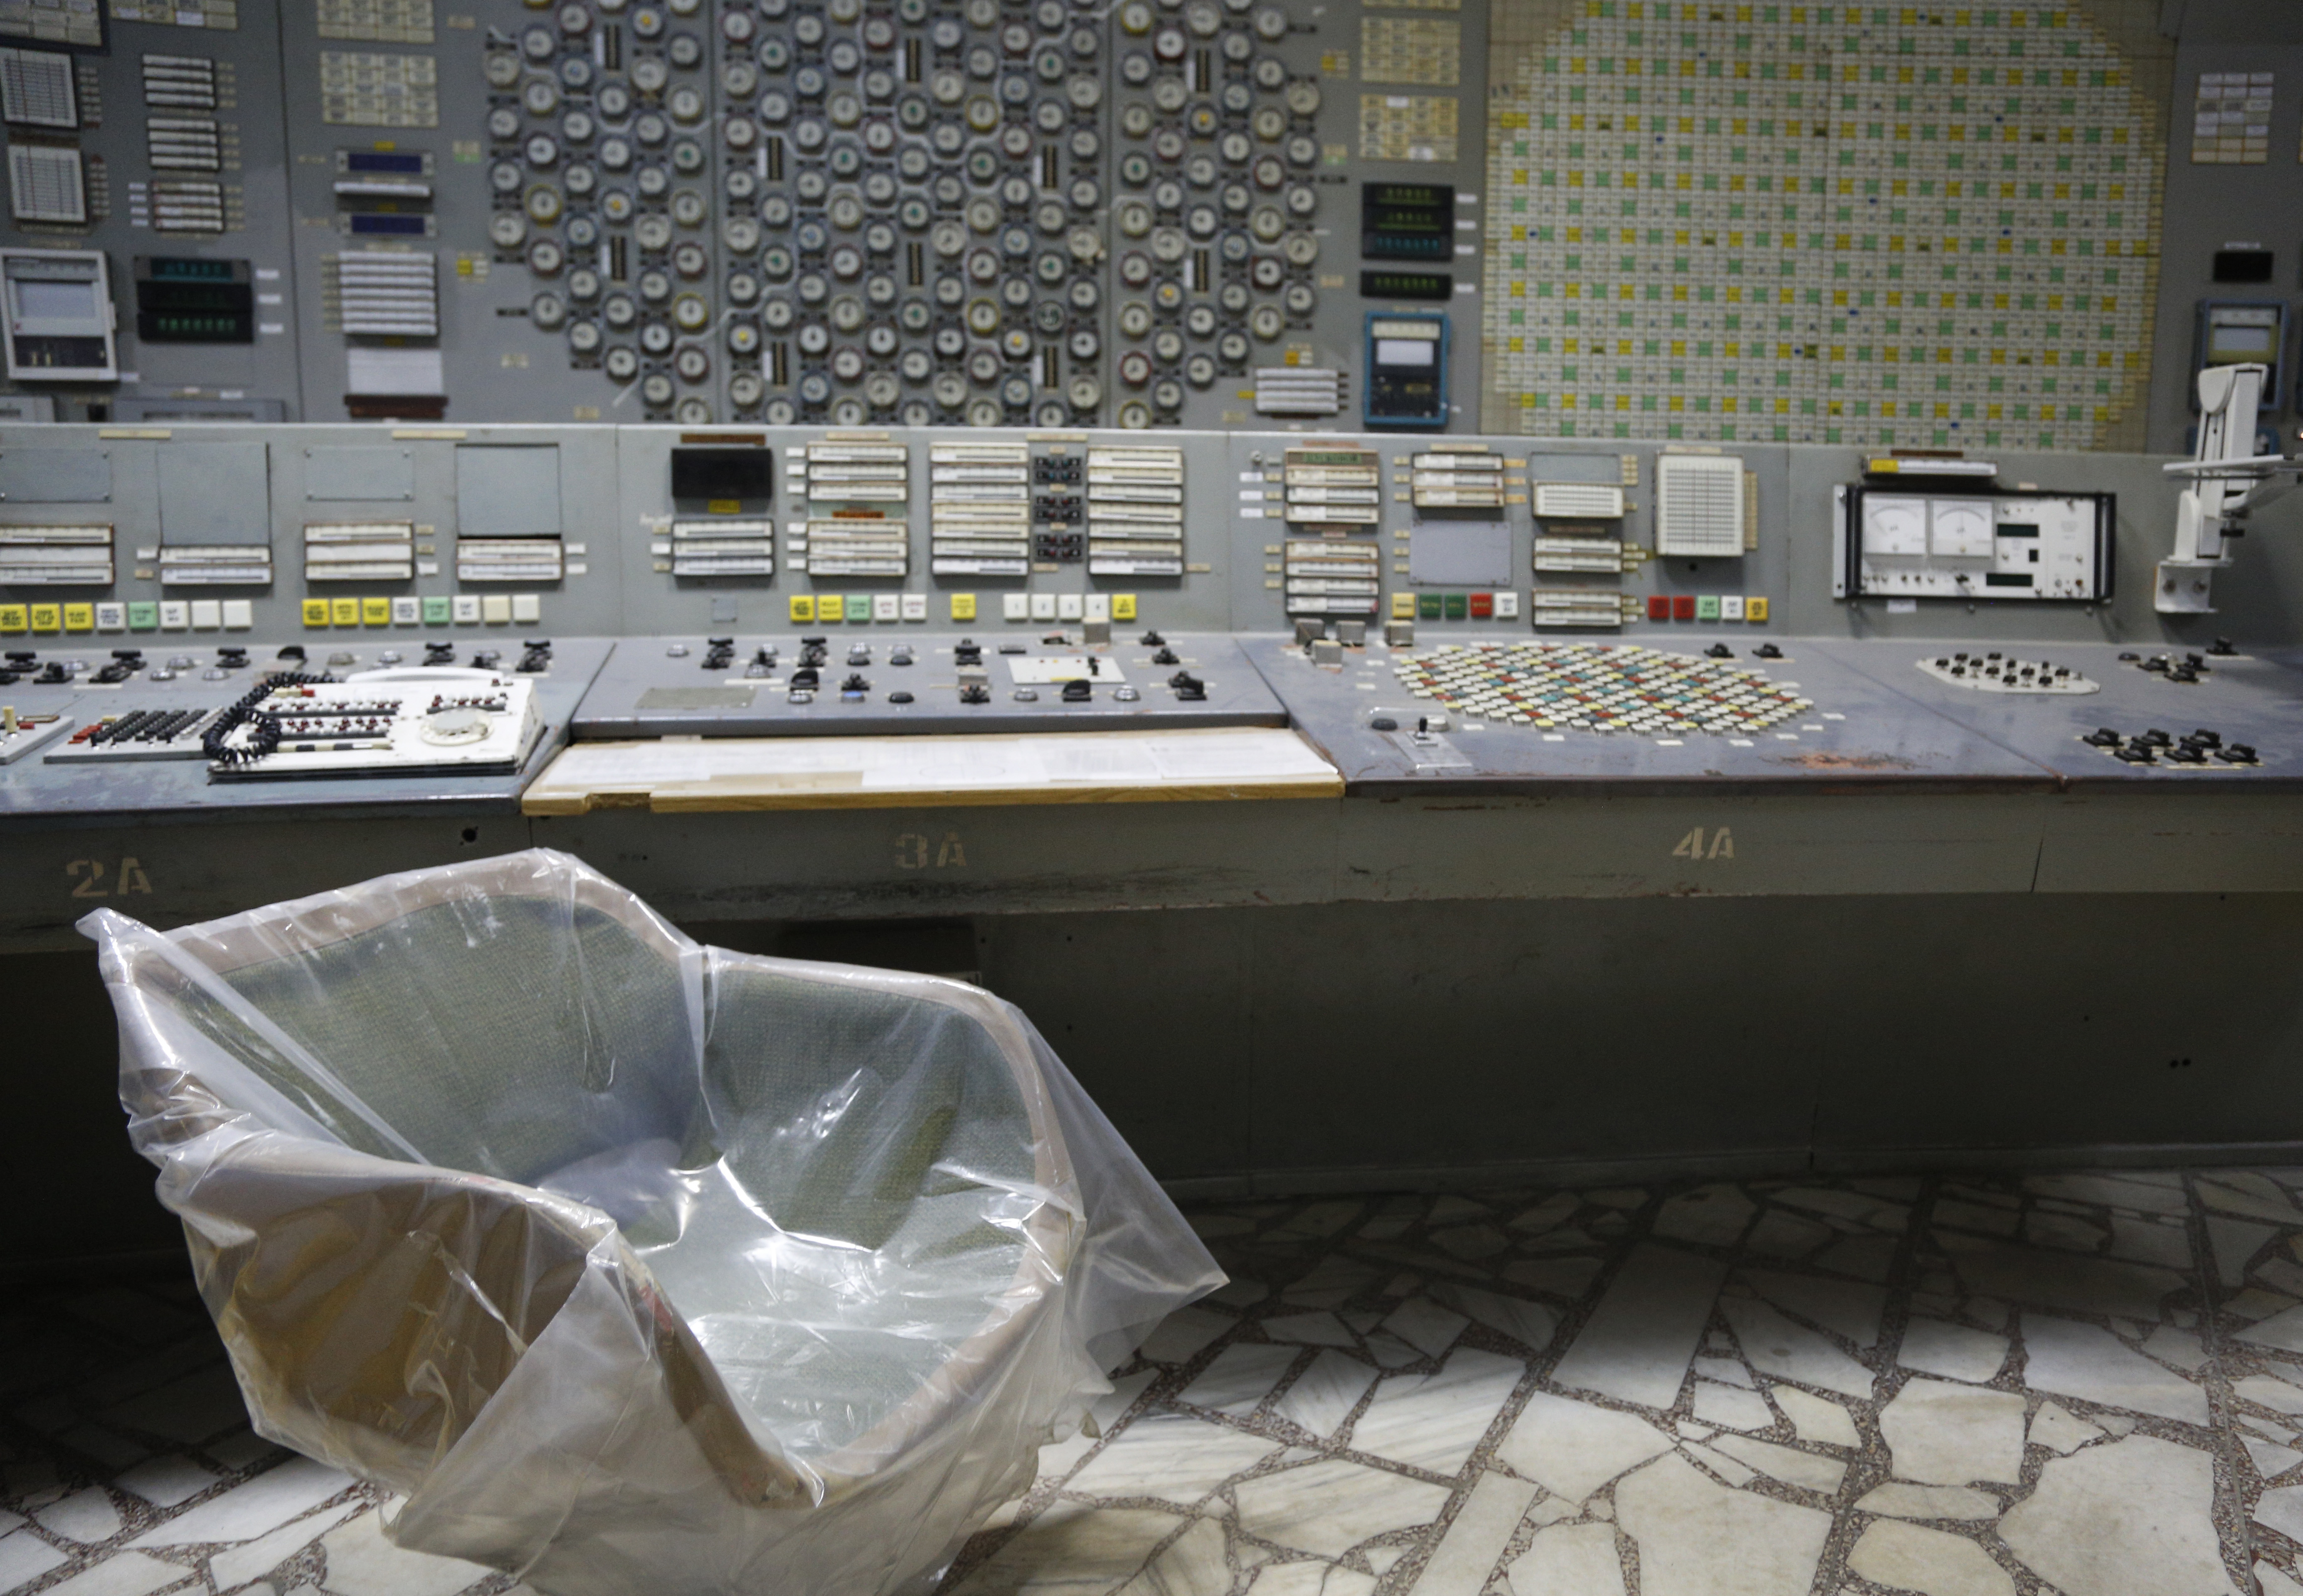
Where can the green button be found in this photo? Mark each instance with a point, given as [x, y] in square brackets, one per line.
[1427, 605]
[1706, 607]
[143, 617]
[436, 611]
[1458, 606]
[859, 608]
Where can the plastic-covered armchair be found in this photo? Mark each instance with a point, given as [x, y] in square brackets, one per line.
[634, 1264]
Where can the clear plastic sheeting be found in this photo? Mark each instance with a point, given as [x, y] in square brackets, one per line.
[634, 1264]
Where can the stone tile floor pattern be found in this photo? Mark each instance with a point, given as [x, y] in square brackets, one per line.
[2085, 1384]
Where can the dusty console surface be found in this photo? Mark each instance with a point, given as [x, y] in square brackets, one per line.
[1498, 716]
[882, 683]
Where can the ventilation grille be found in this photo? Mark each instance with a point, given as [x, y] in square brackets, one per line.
[43, 184]
[1699, 505]
[35, 89]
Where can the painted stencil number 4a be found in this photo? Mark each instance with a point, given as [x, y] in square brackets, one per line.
[96, 878]
[1695, 844]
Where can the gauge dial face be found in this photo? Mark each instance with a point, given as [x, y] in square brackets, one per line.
[1894, 525]
[1960, 527]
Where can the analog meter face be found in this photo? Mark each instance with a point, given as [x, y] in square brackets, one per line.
[1960, 527]
[1894, 525]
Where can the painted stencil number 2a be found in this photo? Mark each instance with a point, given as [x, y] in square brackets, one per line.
[96, 878]
[1695, 844]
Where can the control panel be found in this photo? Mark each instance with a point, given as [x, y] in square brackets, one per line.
[822, 685]
[1971, 544]
[829, 213]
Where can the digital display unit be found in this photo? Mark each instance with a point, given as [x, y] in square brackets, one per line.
[1406, 371]
[1407, 221]
[743, 475]
[1436, 288]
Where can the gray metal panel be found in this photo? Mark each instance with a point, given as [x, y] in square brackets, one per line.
[80, 475]
[1460, 552]
[507, 489]
[38, 796]
[646, 692]
[254, 412]
[1883, 742]
[1202, 599]
[359, 472]
[214, 492]
[2250, 701]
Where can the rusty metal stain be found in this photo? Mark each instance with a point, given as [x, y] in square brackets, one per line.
[1823, 760]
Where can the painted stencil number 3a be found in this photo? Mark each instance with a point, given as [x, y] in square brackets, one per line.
[915, 851]
[95, 878]
[1719, 845]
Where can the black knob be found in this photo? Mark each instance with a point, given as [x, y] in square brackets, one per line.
[2240, 753]
[295, 650]
[2221, 646]
[855, 685]
[1767, 651]
[22, 656]
[541, 643]
[804, 676]
[900, 697]
[1152, 639]
[2156, 738]
[1383, 723]
[1078, 692]
[2102, 736]
[2206, 738]
[1719, 650]
[2137, 754]
[975, 693]
[1166, 655]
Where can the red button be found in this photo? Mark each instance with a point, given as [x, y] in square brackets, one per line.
[1483, 605]
[1682, 608]
[1659, 607]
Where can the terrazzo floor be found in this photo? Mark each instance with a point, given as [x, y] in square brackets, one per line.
[2089, 1385]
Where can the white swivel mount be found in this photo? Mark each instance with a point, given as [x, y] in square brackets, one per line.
[2223, 479]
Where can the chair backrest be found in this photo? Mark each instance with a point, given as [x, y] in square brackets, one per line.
[556, 1035]
[832, 1144]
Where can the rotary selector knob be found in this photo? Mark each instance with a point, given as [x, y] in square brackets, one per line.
[546, 258]
[506, 228]
[501, 69]
[547, 311]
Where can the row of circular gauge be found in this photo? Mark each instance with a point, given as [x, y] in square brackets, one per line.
[1162, 223]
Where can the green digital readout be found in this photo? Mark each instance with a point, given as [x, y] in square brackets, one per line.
[1426, 287]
